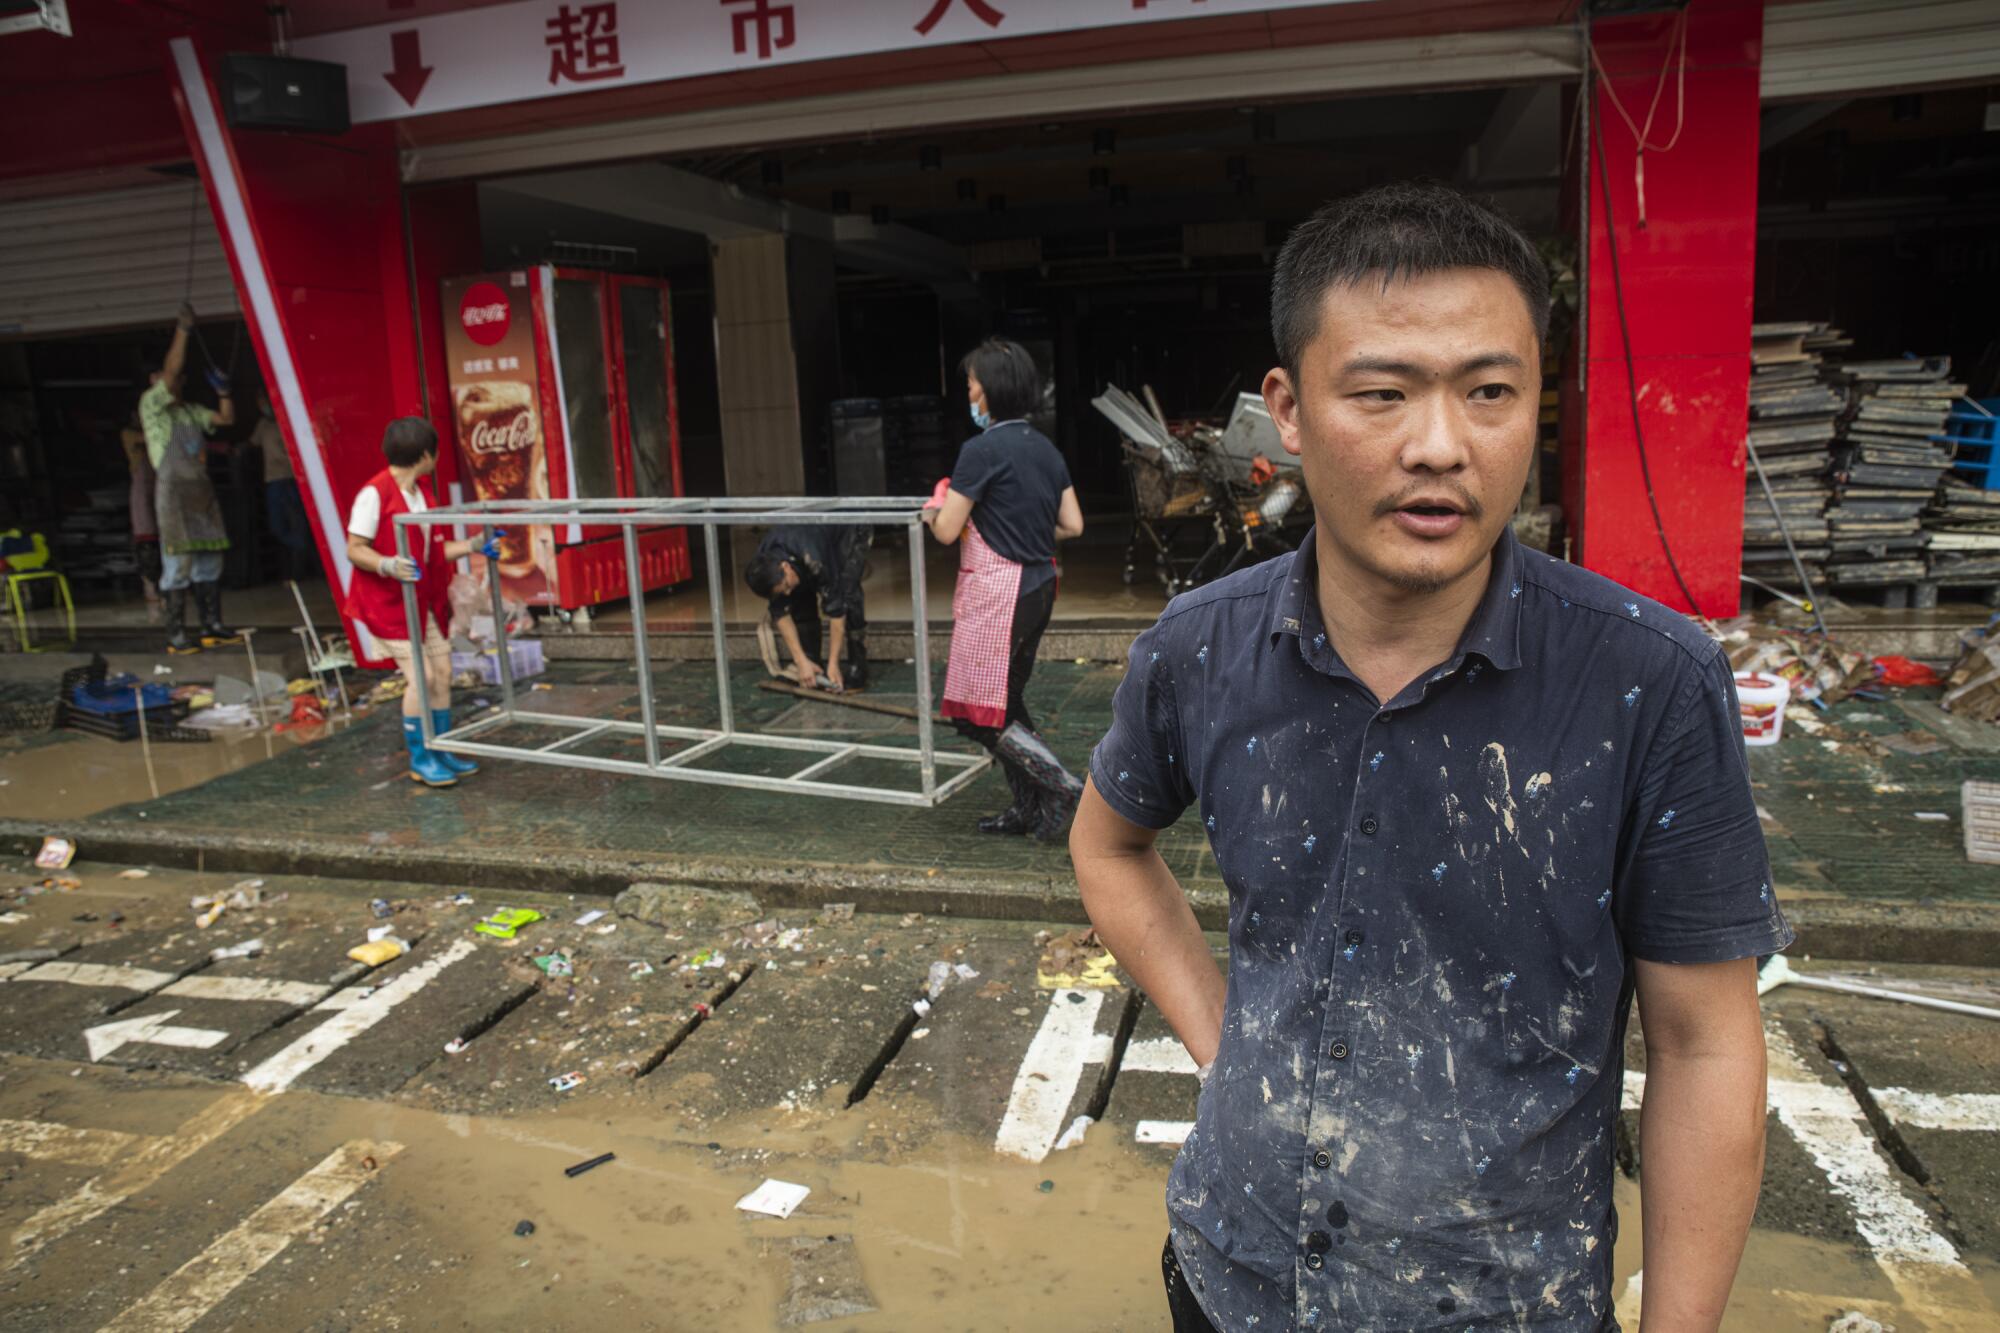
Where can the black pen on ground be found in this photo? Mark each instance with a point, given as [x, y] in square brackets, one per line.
[593, 1163]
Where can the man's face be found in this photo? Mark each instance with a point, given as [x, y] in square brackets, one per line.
[788, 578]
[1414, 421]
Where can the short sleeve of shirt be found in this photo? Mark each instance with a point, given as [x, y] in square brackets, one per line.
[366, 518]
[1696, 879]
[974, 471]
[1139, 768]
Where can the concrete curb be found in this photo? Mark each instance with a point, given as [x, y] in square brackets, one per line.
[1962, 934]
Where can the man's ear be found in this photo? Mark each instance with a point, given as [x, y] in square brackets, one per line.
[1281, 400]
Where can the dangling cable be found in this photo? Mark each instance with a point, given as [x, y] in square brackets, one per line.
[1632, 373]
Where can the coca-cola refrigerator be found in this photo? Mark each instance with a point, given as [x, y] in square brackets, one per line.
[562, 388]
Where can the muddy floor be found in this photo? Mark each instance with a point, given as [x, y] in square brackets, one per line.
[289, 1138]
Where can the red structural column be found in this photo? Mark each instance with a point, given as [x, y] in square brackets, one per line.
[1684, 267]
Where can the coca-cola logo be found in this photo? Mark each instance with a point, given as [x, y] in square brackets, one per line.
[485, 313]
[501, 435]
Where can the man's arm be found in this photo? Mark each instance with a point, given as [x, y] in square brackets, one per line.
[1143, 917]
[1701, 1130]
[808, 669]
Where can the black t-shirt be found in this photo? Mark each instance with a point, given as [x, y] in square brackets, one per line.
[829, 562]
[1015, 479]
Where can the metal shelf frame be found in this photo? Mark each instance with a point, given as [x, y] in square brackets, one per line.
[939, 776]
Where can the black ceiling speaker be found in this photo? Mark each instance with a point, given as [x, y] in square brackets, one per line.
[281, 93]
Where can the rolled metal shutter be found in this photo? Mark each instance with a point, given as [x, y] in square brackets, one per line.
[1835, 48]
[80, 263]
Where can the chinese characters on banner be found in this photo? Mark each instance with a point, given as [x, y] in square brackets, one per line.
[517, 50]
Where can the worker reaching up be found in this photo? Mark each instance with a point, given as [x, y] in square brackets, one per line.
[193, 536]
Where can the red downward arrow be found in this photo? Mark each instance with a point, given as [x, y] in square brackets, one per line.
[411, 73]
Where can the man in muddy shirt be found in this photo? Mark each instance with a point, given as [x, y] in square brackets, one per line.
[1467, 799]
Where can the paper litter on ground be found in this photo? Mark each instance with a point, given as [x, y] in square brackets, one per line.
[774, 1198]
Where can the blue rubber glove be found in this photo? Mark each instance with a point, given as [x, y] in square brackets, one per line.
[491, 549]
[219, 382]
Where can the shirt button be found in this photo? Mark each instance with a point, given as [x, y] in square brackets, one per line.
[1314, 1262]
[1369, 825]
[1338, 1050]
[1354, 937]
[1319, 1242]
[1322, 1159]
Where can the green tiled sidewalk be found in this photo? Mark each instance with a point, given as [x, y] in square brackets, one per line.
[1841, 821]
[350, 789]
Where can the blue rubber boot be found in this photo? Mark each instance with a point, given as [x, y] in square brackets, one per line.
[425, 767]
[440, 724]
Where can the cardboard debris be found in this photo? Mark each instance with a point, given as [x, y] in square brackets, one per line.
[1973, 687]
[1817, 668]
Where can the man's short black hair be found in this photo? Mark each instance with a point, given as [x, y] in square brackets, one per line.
[407, 441]
[1406, 230]
[1007, 373]
[763, 573]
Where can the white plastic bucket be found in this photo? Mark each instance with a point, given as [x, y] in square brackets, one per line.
[1762, 699]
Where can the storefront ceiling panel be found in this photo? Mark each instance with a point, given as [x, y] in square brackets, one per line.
[112, 259]
[1231, 78]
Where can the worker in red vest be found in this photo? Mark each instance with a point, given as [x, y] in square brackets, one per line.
[375, 599]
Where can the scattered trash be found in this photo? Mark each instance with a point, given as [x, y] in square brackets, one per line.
[1856, 1322]
[524, 1228]
[556, 964]
[1933, 816]
[1814, 666]
[774, 1198]
[923, 1008]
[12, 918]
[940, 977]
[502, 924]
[565, 1082]
[1761, 701]
[380, 907]
[838, 912]
[56, 854]
[454, 1046]
[608, 928]
[1073, 1136]
[1911, 742]
[1902, 672]
[641, 968]
[574, 1171]
[380, 932]
[1075, 960]
[134, 873]
[84, 916]
[595, 914]
[962, 972]
[1047, 1187]
[377, 952]
[705, 958]
[461, 900]
[208, 910]
[1973, 687]
[919, 1034]
[703, 1010]
[247, 949]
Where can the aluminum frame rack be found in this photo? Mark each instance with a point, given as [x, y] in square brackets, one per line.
[700, 743]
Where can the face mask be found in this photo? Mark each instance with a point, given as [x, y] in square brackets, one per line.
[981, 417]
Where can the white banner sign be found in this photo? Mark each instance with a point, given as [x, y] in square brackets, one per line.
[548, 48]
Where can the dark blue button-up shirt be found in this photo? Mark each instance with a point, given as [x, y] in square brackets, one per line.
[1432, 905]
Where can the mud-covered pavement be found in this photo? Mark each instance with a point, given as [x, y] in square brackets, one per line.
[283, 1140]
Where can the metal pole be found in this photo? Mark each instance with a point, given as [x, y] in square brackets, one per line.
[634, 585]
[256, 687]
[506, 662]
[145, 741]
[920, 634]
[1785, 531]
[413, 619]
[721, 637]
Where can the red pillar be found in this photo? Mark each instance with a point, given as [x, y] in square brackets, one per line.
[1686, 267]
[333, 281]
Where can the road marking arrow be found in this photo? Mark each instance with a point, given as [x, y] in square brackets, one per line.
[411, 73]
[151, 1030]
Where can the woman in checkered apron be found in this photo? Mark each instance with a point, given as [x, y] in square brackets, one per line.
[1006, 504]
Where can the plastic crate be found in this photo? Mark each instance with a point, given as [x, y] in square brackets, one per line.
[1972, 436]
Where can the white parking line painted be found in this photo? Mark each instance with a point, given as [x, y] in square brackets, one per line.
[99, 974]
[1163, 1131]
[1067, 1041]
[13, 969]
[247, 988]
[1158, 1055]
[67, 1144]
[148, 1030]
[200, 1284]
[278, 1073]
[1941, 1110]
[149, 1160]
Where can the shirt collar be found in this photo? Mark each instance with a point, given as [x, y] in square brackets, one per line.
[1494, 632]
